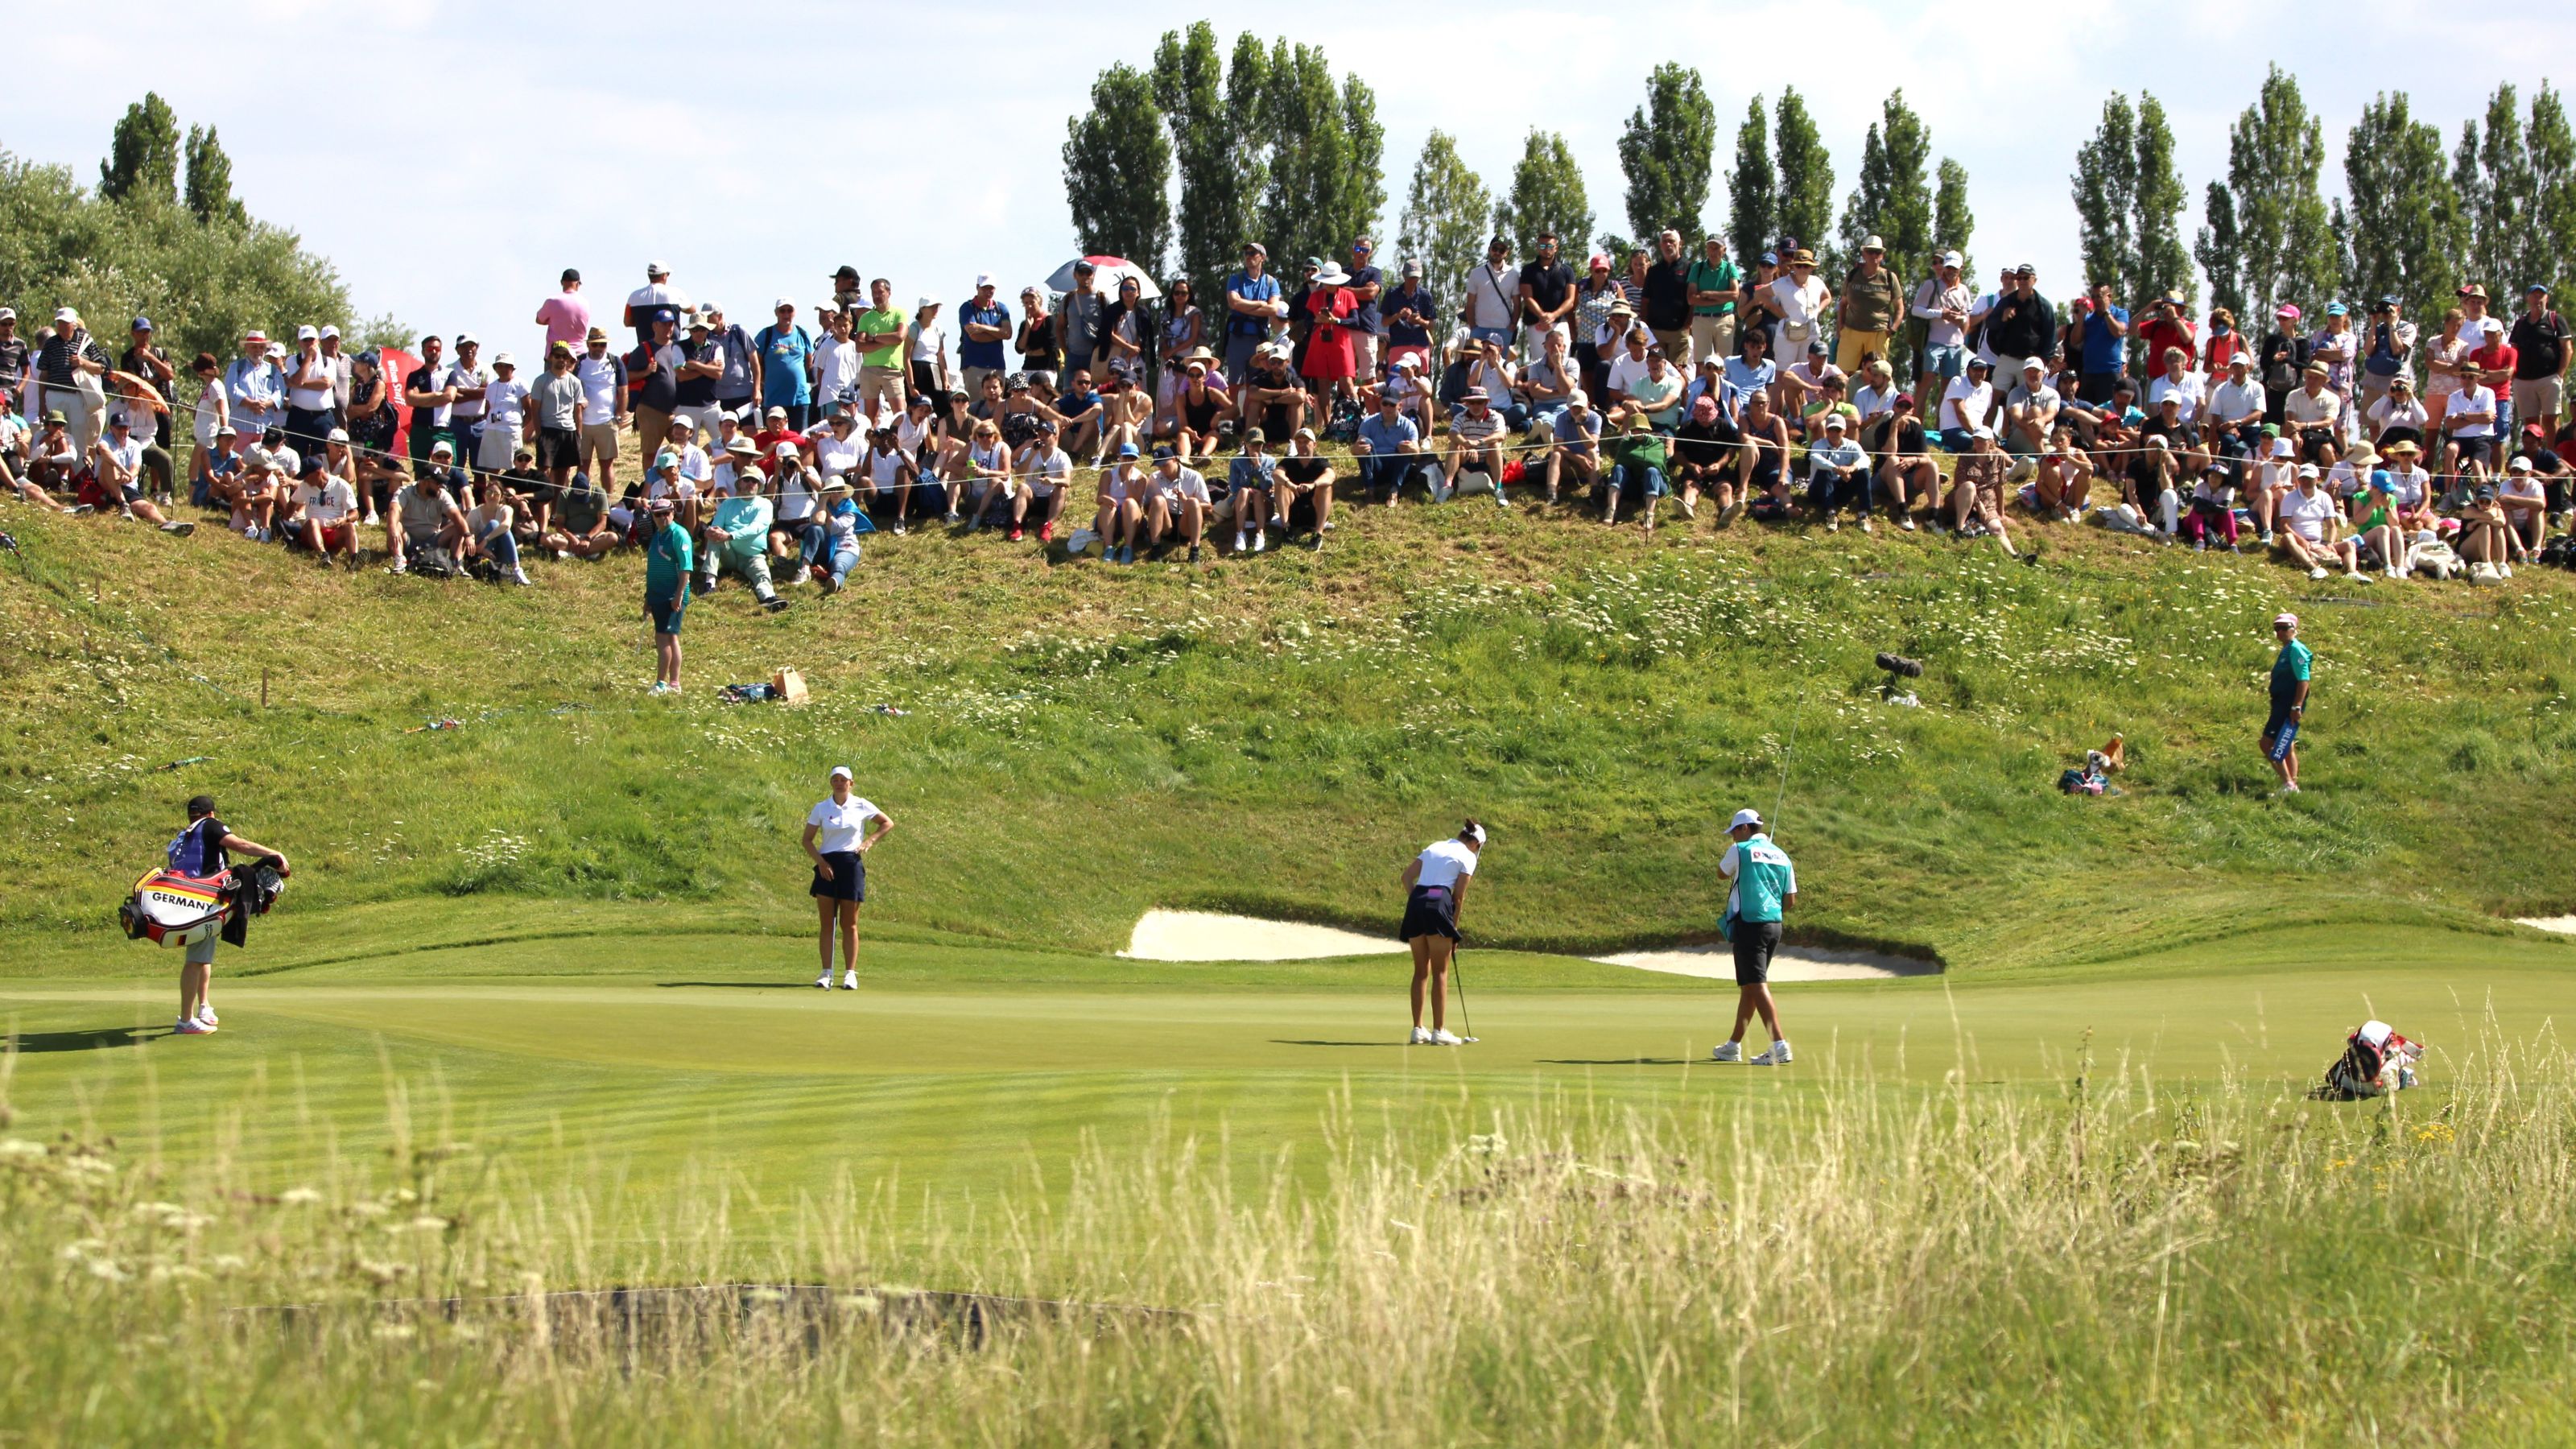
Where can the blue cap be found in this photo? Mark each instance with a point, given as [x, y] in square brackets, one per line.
[142, 324]
[2380, 480]
[1126, 450]
[2335, 309]
[2540, 287]
[1162, 451]
[1771, 259]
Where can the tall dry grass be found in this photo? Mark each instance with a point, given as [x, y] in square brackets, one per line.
[2115, 1261]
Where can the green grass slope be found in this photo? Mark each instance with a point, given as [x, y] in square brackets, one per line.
[1077, 743]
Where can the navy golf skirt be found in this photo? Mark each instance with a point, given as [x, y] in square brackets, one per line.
[849, 880]
[1430, 911]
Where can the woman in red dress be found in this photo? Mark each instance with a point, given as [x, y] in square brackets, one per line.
[1329, 357]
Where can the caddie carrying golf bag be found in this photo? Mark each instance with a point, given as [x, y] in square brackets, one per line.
[169, 908]
[2375, 1062]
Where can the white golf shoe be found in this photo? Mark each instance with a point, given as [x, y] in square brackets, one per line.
[1443, 1037]
[1421, 1037]
[1726, 1051]
[1778, 1056]
[824, 980]
[206, 1013]
[849, 981]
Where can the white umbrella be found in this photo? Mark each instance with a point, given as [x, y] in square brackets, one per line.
[1106, 275]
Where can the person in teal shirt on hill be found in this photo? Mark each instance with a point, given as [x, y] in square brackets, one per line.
[2290, 671]
[1766, 887]
[666, 589]
[737, 540]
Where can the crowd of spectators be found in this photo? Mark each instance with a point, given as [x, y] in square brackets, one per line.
[2349, 440]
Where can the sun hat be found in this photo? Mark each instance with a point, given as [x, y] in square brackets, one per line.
[1332, 275]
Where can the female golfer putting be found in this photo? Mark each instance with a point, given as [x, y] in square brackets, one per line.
[1436, 882]
[837, 837]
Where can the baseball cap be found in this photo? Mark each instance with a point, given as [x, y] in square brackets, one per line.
[2540, 287]
[783, 303]
[2290, 619]
[1746, 816]
[503, 359]
[120, 421]
[1127, 450]
[1952, 259]
[656, 269]
[222, 430]
[1413, 269]
[336, 435]
[1835, 422]
[775, 412]
[841, 772]
[2308, 470]
[8, 314]
[1988, 435]
[572, 274]
[144, 324]
[1475, 833]
[983, 280]
[845, 270]
[66, 314]
[1985, 362]
[2518, 465]
[1255, 435]
[442, 448]
[309, 333]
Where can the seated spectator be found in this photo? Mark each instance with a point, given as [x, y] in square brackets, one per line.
[1200, 409]
[1656, 395]
[972, 469]
[2177, 380]
[2550, 465]
[2213, 508]
[1628, 362]
[327, 514]
[1546, 383]
[1249, 484]
[1490, 370]
[1127, 417]
[2469, 430]
[1413, 392]
[1876, 395]
[1977, 490]
[2030, 413]
[1828, 402]
[1750, 371]
[2487, 541]
[1964, 405]
[2232, 421]
[2061, 479]
[2374, 523]
[2312, 416]
[2152, 485]
[424, 518]
[1045, 481]
[736, 540]
[1708, 456]
[118, 458]
[2311, 526]
[831, 546]
[795, 491]
[2396, 416]
[1081, 417]
[54, 460]
[1637, 462]
[892, 476]
[1766, 475]
[1270, 398]
[1306, 477]
[1119, 518]
[1388, 450]
[2526, 506]
[489, 533]
[1175, 505]
[1475, 444]
[1802, 383]
[1908, 476]
[1838, 475]
[578, 520]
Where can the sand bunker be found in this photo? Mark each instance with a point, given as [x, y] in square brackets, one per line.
[2564, 925]
[1210, 936]
[1716, 961]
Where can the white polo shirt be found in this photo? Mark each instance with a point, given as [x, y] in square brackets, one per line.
[839, 824]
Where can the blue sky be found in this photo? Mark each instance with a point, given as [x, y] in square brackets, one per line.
[452, 158]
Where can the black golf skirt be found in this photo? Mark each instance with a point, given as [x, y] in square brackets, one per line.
[849, 880]
[1430, 911]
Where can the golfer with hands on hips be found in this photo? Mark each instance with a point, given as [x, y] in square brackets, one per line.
[1435, 885]
[1766, 886]
[837, 836]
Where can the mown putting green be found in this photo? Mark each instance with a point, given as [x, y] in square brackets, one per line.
[960, 1067]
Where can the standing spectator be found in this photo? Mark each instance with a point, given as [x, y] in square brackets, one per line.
[506, 423]
[1713, 283]
[2282, 362]
[737, 389]
[70, 372]
[1082, 323]
[1801, 301]
[2337, 347]
[1493, 294]
[1035, 339]
[2541, 354]
[2102, 345]
[2388, 352]
[700, 370]
[554, 409]
[212, 411]
[603, 407]
[2166, 327]
[424, 392]
[1667, 304]
[653, 372]
[1411, 311]
[565, 316]
[144, 360]
[1872, 301]
[1368, 324]
[309, 400]
[879, 333]
[466, 380]
[983, 325]
[16, 358]
[2225, 343]
[2291, 672]
[657, 294]
[2496, 361]
[2021, 325]
[834, 362]
[1547, 297]
[787, 366]
[1332, 359]
[1941, 304]
[372, 423]
[1126, 338]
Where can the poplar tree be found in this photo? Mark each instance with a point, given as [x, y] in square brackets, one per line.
[1805, 207]
[1666, 150]
[1219, 170]
[1118, 171]
[2407, 229]
[1445, 211]
[1893, 196]
[142, 162]
[1953, 224]
[1546, 196]
[1752, 189]
[2275, 153]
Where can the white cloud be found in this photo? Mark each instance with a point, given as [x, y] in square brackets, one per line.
[451, 158]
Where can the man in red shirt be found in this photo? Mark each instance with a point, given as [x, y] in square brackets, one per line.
[776, 432]
[2496, 360]
[2168, 328]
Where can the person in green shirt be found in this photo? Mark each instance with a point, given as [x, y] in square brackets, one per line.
[2290, 671]
[1637, 458]
[879, 333]
[1714, 283]
[667, 556]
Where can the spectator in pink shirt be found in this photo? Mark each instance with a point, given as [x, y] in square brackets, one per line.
[565, 316]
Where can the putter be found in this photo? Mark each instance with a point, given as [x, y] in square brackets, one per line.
[1458, 969]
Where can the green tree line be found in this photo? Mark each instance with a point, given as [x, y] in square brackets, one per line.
[161, 235]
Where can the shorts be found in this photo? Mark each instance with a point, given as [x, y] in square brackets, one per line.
[558, 448]
[2475, 450]
[202, 953]
[1429, 911]
[1755, 942]
[849, 880]
[666, 612]
[598, 443]
[338, 536]
[2536, 397]
[2280, 732]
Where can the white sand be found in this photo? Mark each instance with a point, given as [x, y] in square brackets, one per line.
[1209, 936]
[2564, 925]
[1716, 962]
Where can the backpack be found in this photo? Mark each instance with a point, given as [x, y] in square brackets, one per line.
[433, 561]
[187, 852]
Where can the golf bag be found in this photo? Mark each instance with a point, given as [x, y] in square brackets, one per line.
[169, 908]
[2375, 1062]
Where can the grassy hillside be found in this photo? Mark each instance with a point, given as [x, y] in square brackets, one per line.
[1077, 743]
